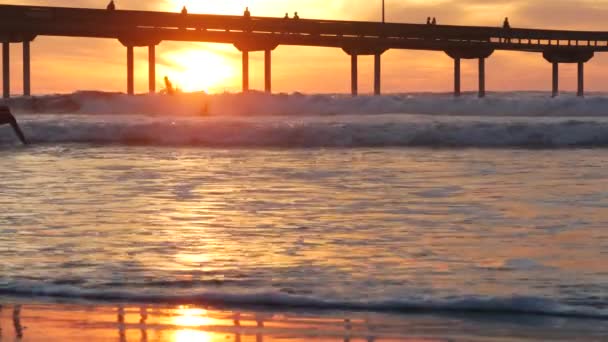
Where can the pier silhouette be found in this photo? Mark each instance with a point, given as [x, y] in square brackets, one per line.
[22, 24]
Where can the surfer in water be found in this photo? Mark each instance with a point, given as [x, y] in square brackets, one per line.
[169, 86]
[6, 117]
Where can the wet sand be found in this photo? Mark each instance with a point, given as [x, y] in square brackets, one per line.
[91, 323]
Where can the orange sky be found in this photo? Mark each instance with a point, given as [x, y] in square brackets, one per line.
[69, 64]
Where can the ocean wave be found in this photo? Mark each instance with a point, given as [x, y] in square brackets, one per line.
[316, 131]
[256, 103]
[281, 301]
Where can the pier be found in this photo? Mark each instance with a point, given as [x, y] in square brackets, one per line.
[22, 24]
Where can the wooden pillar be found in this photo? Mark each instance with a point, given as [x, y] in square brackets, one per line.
[555, 87]
[482, 77]
[267, 71]
[245, 71]
[377, 74]
[353, 75]
[456, 77]
[152, 69]
[581, 79]
[6, 70]
[130, 71]
[27, 88]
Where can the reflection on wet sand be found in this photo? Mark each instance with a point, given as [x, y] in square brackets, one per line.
[156, 323]
[185, 324]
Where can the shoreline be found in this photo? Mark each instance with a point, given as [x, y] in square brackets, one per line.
[129, 322]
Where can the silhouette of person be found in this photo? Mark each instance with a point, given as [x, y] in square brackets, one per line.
[169, 86]
[296, 16]
[507, 27]
[434, 22]
[247, 14]
[428, 20]
[111, 6]
[286, 16]
[6, 117]
[184, 10]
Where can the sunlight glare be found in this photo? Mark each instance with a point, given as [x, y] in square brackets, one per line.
[195, 70]
[234, 7]
[190, 317]
[191, 336]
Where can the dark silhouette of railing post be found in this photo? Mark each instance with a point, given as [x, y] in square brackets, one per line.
[456, 77]
[130, 71]
[6, 69]
[152, 69]
[267, 71]
[555, 87]
[354, 77]
[27, 91]
[245, 71]
[482, 77]
[377, 73]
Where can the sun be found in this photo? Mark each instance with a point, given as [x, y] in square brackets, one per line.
[197, 69]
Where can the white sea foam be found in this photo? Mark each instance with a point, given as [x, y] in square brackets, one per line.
[257, 119]
[396, 130]
[496, 104]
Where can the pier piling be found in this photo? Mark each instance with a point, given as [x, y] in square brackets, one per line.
[482, 77]
[27, 90]
[377, 74]
[130, 71]
[354, 75]
[6, 70]
[456, 77]
[581, 79]
[152, 69]
[555, 90]
[267, 71]
[245, 71]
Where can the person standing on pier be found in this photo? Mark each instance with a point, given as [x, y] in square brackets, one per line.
[428, 20]
[434, 21]
[111, 6]
[184, 11]
[247, 14]
[296, 16]
[507, 27]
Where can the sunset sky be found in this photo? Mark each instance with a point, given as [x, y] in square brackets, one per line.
[68, 64]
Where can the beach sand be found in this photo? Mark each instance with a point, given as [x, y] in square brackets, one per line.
[66, 322]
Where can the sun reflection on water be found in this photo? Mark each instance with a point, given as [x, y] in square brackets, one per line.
[191, 336]
[191, 317]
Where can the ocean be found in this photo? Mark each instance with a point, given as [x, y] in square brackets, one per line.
[482, 224]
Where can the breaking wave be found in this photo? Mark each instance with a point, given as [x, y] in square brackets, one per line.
[255, 103]
[526, 120]
[314, 131]
[278, 300]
